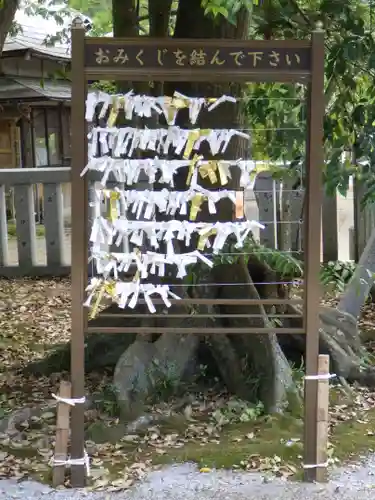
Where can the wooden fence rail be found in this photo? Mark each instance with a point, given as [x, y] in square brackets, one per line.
[25, 253]
[26, 247]
[31, 249]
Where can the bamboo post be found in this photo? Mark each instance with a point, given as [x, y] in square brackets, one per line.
[62, 434]
[322, 419]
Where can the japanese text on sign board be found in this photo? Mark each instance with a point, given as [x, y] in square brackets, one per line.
[133, 57]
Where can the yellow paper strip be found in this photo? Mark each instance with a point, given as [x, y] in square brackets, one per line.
[222, 174]
[192, 138]
[204, 235]
[113, 211]
[113, 114]
[192, 166]
[209, 170]
[195, 207]
[99, 297]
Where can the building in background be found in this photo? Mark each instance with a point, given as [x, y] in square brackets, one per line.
[35, 100]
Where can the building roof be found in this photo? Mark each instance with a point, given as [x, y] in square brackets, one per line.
[32, 39]
[22, 43]
[34, 31]
[32, 89]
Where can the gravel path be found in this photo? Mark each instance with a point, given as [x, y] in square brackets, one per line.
[184, 482]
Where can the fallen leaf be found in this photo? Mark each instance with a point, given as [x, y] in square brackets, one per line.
[205, 470]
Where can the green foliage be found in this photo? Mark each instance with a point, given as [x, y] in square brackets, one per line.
[333, 276]
[227, 8]
[12, 230]
[283, 263]
[277, 114]
[107, 401]
[237, 411]
[109, 87]
[164, 378]
[99, 11]
[337, 274]
[349, 71]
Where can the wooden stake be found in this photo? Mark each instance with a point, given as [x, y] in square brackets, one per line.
[62, 434]
[322, 419]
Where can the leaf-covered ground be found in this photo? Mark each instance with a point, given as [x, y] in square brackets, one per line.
[209, 428]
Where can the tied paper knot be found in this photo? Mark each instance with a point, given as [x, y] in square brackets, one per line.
[127, 294]
[124, 141]
[104, 232]
[143, 204]
[111, 264]
[113, 144]
[144, 106]
[215, 171]
[130, 171]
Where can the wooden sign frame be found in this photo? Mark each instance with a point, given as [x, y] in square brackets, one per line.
[168, 59]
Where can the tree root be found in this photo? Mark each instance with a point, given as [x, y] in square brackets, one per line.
[9, 424]
[339, 338]
[267, 365]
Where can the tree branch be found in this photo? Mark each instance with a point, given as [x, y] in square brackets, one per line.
[303, 14]
[7, 13]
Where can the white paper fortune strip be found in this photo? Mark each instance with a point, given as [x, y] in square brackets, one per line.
[111, 264]
[104, 232]
[127, 293]
[113, 144]
[124, 141]
[129, 171]
[144, 106]
[144, 203]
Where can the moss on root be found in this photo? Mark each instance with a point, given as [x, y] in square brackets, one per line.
[266, 438]
[278, 436]
[269, 444]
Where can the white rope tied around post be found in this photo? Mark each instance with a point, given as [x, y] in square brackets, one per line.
[321, 376]
[85, 460]
[69, 401]
[315, 466]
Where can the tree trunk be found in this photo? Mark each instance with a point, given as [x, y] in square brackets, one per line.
[7, 12]
[159, 17]
[268, 208]
[124, 17]
[267, 365]
[273, 373]
[263, 353]
[357, 291]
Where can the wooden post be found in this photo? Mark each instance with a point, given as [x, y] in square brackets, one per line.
[322, 418]
[312, 247]
[79, 249]
[62, 434]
